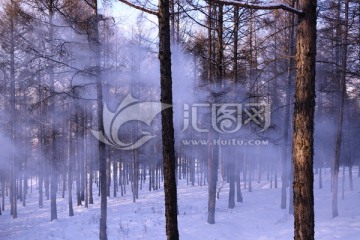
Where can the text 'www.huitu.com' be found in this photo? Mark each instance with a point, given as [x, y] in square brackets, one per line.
[224, 142]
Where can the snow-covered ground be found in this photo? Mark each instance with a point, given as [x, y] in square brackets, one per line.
[258, 217]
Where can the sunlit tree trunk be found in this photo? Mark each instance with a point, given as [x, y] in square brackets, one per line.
[303, 138]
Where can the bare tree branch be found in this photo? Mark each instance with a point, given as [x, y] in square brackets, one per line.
[141, 8]
[270, 6]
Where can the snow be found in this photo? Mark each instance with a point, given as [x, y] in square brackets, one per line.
[258, 217]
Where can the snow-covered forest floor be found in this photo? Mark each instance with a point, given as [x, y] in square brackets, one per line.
[258, 217]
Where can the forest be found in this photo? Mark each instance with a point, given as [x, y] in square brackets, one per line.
[179, 119]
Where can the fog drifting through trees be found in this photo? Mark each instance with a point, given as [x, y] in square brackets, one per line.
[71, 72]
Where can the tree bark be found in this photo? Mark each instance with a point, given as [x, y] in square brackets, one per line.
[239, 197]
[85, 159]
[351, 184]
[342, 94]
[71, 152]
[53, 165]
[41, 158]
[285, 151]
[231, 175]
[210, 53]
[94, 41]
[236, 40]
[303, 140]
[13, 188]
[214, 156]
[77, 158]
[167, 122]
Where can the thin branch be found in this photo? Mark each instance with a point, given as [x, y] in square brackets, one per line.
[197, 22]
[270, 6]
[141, 8]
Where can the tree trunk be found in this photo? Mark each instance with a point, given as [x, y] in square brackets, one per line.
[115, 177]
[13, 189]
[53, 165]
[108, 173]
[351, 184]
[71, 153]
[213, 162]
[41, 159]
[285, 150]
[303, 140]
[94, 41]
[77, 159]
[3, 194]
[231, 175]
[342, 94]
[343, 183]
[85, 159]
[167, 123]
[25, 187]
[239, 197]
[210, 53]
[236, 39]
[214, 158]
